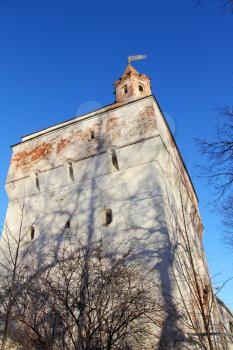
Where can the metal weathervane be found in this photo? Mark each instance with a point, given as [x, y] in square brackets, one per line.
[136, 58]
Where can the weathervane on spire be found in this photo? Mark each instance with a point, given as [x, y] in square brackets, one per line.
[136, 58]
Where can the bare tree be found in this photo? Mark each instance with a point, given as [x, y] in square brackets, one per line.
[195, 298]
[14, 249]
[218, 152]
[104, 299]
[219, 166]
[86, 298]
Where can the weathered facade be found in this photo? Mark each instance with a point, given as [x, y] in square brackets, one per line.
[226, 322]
[117, 173]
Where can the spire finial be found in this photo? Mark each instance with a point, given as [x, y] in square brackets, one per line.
[136, 58]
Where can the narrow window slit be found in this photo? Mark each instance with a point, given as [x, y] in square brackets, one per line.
[140, 87]
[71, 170]
[114, 159]
[108, 216]
[67, 225]
[37, 182]
[125, 89]
[92, 134]
[32, 233]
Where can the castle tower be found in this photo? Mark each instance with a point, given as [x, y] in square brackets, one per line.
[114, 173]
[132, 85]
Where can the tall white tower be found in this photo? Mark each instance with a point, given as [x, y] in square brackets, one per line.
[115, 172]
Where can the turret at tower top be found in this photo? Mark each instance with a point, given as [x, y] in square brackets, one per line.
[132, 85]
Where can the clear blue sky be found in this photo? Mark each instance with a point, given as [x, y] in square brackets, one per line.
[59, 58]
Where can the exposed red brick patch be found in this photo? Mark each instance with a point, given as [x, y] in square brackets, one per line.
[25, 158]
[62, 144]
[81, 144]
[146, 120]
[112, 122]
[41, 151]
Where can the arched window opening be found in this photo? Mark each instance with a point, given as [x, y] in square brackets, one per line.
[108, 216]
[37, 182]
[71, 170]
[140, 87]
[114, 159]
[32, 233]
[125, 89]
[92, 134]
[67, 225]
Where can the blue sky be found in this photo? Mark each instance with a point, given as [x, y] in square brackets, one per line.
[60, 58]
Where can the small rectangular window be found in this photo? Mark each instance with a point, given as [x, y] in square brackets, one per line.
[37, 183]
[67, 225]
[71, 171]
[32, 232]
[114, 159]
[108, 216]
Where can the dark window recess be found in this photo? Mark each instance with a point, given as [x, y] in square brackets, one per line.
[140, 88]
[205, 294]
[32, 232]
[67, 224]
[125, 89]
[92, 134]
[71, 171]
[114, 159]
[37, 183]
[108, 216]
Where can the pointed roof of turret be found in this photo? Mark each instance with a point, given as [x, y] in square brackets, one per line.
[129, 70]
